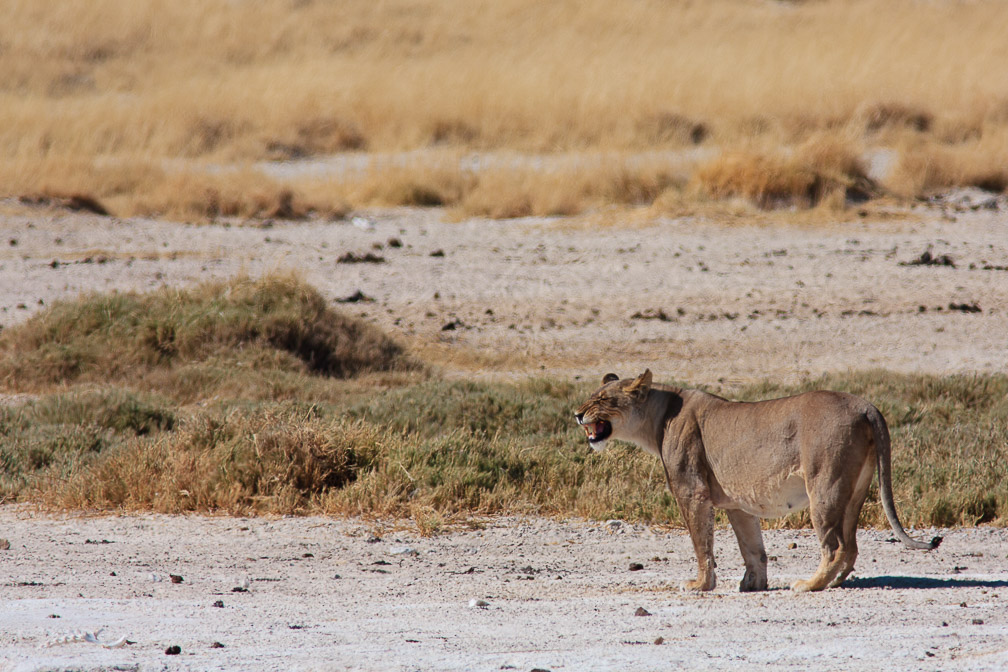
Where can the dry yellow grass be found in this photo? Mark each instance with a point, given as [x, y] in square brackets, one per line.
[824, 170]
[102, 84]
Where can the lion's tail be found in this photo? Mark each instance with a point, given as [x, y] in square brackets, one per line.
[883, 452]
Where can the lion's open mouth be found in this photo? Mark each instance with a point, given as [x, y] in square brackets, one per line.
[597, 431]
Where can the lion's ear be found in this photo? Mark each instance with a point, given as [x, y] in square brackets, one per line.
[642, 385]
[609, 377]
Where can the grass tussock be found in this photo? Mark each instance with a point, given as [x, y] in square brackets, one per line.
[823, 170]
[141, 188]
[239, 461]
[108, 84]
[573, 189]
[923, 169]
[192, 337]
[57, 435]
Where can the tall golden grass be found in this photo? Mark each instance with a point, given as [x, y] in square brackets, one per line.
[111, 82]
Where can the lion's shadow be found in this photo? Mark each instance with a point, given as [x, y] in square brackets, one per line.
[921, 582]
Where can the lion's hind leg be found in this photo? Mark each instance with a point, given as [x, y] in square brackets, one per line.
[848, 551]
[833, 557]
[850, 522]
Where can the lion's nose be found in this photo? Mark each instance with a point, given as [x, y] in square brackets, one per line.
[579, 417]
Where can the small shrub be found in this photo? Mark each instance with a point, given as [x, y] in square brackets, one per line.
[58, 433]
[277, 460]
[819, 169]
[123, 335]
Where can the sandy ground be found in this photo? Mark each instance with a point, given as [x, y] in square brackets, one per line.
[342, 595]
[695, 300]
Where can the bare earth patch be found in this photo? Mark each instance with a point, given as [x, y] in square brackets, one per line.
[695, 300]
[519, 594]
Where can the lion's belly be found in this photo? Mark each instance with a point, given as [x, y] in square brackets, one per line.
[768, 499]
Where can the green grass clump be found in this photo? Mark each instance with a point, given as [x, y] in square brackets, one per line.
[57, 435]
[236, 397]
[532, 408]
[276, 460]
[274, 324]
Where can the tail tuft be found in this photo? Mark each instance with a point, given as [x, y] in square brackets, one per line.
[936, 541]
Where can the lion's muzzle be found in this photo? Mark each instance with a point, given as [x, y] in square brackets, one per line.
[597, 431]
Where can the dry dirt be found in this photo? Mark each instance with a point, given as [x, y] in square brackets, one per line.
[693, 299]
[342, 595]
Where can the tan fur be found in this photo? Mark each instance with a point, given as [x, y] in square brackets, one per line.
[756, 460]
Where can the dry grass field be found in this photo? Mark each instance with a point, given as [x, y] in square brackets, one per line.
[140, 105]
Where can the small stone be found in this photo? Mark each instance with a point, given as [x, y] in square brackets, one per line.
[660, 640]
[176, 578]
[356, 297]
[977, 621]
[792, 546]
[219, 604]
[173, 650]
[477, 603]
[216, 645]
[636, 566]
[641, 611]
[4, 545]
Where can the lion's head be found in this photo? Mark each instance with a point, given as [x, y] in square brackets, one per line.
[612, 407]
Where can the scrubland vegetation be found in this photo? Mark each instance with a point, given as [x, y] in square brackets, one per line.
[253, 397]
[165, 108]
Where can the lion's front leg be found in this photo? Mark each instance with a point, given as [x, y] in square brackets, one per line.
[698, 513]
[750, 541]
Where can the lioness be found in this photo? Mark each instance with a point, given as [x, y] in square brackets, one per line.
[756, 460]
